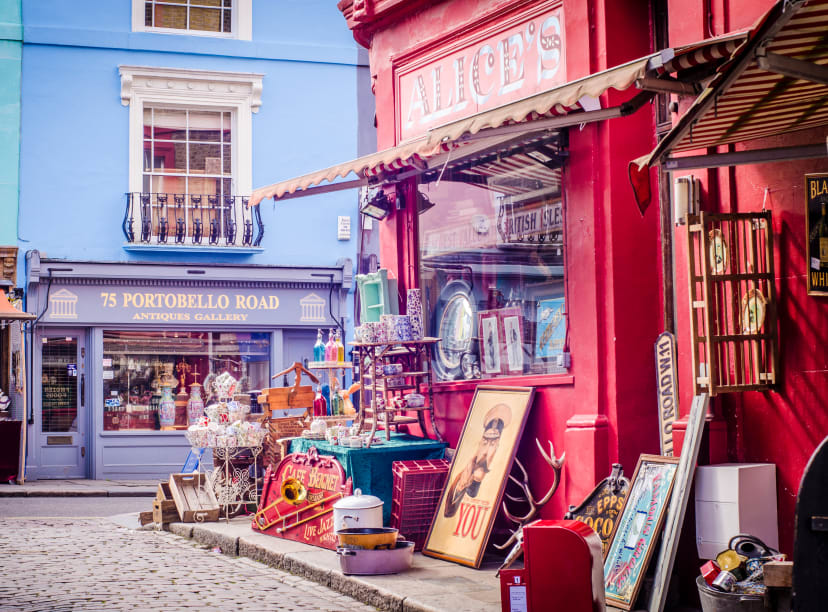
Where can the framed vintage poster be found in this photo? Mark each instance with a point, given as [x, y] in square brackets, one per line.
[478, 474]
[511, 322]
[490, 341]
[637, 528]
[816, 215]
[550, 329]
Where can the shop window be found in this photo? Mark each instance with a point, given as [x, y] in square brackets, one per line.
[227, 18]
[492, 264]
[137, 366]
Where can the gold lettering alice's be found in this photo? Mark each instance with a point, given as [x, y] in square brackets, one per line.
[190, 301]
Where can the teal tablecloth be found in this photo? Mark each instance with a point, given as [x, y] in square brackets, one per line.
[370, 468]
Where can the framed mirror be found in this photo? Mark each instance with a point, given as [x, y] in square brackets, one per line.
[454, 323]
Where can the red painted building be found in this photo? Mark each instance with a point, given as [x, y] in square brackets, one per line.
[541, 106]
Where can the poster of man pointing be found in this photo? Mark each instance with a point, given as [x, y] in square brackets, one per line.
[478, 474]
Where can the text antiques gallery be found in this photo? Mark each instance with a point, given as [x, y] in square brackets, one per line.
[112, 341]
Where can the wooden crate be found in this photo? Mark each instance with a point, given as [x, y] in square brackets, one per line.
[164, 493]
[164, 511]
[145, 517]
[194, 498]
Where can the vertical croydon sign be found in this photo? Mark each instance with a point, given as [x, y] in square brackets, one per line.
[666, 382]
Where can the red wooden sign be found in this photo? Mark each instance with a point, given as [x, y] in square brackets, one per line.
[298, 497]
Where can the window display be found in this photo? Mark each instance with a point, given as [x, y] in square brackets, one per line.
[161, 380]
[492, 265]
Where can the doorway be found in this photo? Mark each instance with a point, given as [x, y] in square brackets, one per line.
[61, 422]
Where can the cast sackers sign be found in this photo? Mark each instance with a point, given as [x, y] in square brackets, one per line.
[518, 61]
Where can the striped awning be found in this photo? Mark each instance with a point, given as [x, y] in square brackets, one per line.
[774, 84]
[553, 109]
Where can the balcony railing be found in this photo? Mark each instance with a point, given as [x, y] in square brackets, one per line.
[175, 219]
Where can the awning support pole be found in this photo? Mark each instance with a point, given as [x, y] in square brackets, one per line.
[792, 67]
[717, 160]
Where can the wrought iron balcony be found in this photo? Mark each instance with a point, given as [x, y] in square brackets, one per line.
[180, 219]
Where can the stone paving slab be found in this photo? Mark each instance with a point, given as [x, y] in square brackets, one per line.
[80, 488]
[431, 585]
[97, 564]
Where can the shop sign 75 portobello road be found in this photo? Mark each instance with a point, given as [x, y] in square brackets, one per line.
[79, 304]
[487, 69]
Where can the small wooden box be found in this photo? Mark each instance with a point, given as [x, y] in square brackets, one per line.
[164, 512]
[194, 498]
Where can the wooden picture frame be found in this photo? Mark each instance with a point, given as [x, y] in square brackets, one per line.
[491, 346]
[479, 471]
[637, 528]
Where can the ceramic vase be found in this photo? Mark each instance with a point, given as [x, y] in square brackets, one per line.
[166, 409]
[195, 405]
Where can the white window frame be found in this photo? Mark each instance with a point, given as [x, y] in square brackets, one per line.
[241, 24]
[237, 92]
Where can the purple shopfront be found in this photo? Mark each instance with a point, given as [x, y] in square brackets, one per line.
[112, 339]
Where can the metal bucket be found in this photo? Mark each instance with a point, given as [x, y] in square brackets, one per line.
[718, 601]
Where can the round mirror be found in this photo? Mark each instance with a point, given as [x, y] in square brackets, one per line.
[455, 326]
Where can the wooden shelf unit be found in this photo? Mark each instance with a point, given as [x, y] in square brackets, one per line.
[415, 358]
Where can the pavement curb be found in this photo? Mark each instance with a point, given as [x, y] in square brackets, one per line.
[23, 491]
[351, 586]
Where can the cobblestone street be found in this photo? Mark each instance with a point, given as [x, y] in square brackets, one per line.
[95, 564]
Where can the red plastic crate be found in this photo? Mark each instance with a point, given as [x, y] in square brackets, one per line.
[418, 485]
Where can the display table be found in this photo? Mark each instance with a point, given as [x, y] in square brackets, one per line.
[370, 468]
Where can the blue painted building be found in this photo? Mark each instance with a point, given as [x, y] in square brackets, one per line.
[145, 126]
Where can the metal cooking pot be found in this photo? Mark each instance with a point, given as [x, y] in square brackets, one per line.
[357, 510]
[369, 538]
[373, 562]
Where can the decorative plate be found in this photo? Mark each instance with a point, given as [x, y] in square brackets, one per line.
[753, 311]
[718, 252]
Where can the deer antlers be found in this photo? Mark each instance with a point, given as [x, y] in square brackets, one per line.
[516, 539]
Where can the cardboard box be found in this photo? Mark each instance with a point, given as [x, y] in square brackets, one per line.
[732, 499]
[194, 498]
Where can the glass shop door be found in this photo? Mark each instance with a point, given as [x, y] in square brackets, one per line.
[62, 432]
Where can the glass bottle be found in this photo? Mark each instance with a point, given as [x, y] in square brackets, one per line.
[336, 403]
[320, 406]
[340, 348]
[319, 347]
[330, 347]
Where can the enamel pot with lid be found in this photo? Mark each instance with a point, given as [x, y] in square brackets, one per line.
[357, 510]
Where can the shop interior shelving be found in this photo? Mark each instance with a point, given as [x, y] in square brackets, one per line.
[378, 390]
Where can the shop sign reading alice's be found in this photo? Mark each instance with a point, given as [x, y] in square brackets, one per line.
[486, 71]
[107, 304]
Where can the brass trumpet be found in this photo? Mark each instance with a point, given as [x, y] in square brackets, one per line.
[264, 522]
[293, 491]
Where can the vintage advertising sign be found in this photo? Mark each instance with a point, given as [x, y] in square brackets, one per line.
[601, 507]
[816, 209]
[536, 225]
[298, 497]
[637, 529]
[478, 473]
[667, 385]
[485, 70]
